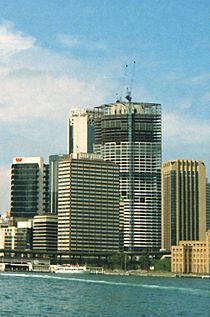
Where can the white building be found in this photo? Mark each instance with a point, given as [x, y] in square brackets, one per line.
[80, 131]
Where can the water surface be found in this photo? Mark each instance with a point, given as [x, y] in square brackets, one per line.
[67, 295]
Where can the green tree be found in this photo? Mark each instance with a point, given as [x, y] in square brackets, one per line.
[144, 262]
[115, 261]
[162, 265]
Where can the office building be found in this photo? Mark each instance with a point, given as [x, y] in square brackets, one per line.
[29, 187]
[80, 131]
[7, 237]
[88, 205]
[129, 134]
[53, 181]
[191, 256]
[45, 232]
[15, 236]
[24, 235]
[183, 202]
[207, 206]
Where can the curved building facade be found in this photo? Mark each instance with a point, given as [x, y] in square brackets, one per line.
[129, 134]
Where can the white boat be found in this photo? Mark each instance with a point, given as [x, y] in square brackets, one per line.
[70, 268]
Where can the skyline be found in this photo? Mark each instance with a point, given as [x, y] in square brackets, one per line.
[59, 56]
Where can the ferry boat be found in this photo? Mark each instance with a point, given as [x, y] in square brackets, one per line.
[70, 268]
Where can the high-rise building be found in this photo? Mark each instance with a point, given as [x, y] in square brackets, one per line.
[45, 232]
[53, 181]
[129, 134]
[80, 131]
[88, 205]
[29, 187]
[208, 206]
[183, 201]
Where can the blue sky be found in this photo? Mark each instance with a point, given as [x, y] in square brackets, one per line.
[61, 54]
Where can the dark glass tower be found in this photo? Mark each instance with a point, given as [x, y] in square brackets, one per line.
[129, 134]
[29, 187]
[53, 181]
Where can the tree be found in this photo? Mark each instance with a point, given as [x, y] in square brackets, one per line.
[162, 265]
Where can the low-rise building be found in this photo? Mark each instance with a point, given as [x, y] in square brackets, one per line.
[7, 237]
[24, 235]
[16, 235]
[45, 232]
[191, 256]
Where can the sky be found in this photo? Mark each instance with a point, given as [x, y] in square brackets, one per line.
[56, 55]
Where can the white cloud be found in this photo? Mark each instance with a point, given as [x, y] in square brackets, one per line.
[37, 82]
[186, 137]
[182, 130]
[184, 103]
[42, 95]
[206, 97]
[13, 42]
[200, 79]
[78, 42]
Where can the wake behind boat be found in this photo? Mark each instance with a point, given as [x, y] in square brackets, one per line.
[70, 268]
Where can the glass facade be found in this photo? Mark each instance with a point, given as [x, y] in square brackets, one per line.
[29, 187]
[25, 190]
[53, 181]
[129, 134]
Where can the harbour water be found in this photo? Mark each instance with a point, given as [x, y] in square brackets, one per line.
[43, 295]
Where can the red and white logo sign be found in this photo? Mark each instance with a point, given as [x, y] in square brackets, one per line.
[18, 159]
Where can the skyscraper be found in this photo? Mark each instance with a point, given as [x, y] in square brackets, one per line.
[207, 206]
[53, 181]
[80, 131]
[29, 187]
[88, 205]
[183, 201]
[129, 134]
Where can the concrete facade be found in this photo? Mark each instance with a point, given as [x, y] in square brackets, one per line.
[45, 229]
[191, 256]
[80, 131]
[88, 204]
[207, 206]
[183, 201]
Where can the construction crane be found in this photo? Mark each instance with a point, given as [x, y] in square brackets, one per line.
[126, 85]
[129, 89]
[130, 159]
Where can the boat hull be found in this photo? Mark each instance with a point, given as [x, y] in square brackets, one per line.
[71, 269]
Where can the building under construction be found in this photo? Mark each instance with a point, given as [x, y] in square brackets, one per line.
[129, 134]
